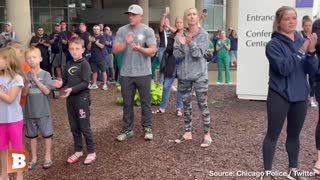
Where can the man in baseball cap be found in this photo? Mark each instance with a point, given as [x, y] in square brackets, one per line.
[137, 43]
[135, 9]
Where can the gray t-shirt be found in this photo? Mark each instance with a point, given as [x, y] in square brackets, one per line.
[37, 105]
[134, 63]
[10, 113]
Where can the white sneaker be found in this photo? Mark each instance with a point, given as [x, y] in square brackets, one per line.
[93, 86]
[229, 83]
[105, 87]
[218, 82]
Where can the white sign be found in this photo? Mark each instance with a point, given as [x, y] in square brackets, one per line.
[254, 31]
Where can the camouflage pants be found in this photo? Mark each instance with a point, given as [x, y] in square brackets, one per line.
[201, 88]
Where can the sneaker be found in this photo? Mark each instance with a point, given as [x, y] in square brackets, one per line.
[93, 86]
[105, 87]
[296, 175]
[218, 82]
[229, 83]
[124, 135]
[148, 136]
[269, 177]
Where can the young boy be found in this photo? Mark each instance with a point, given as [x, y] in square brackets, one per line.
[76, 79]
[37, 109]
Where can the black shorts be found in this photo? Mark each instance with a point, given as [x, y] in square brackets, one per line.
[95, 66]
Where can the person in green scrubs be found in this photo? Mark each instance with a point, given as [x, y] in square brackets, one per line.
[222, 48]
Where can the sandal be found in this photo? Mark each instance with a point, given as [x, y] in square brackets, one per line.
[316, 171]
[178, 112]
[205, 143]
[47, 164]
[91, 158]
[32, 165]
[181, 139]
[158, 111]
[74, 158]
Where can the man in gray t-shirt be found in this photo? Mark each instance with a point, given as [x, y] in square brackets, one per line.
[137, 42]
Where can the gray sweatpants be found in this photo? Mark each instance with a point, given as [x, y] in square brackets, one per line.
[201, 89]
[129, 85]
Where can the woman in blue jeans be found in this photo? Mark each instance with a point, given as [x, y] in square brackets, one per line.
[170, 72]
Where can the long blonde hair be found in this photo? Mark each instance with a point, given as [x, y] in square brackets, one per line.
[13, 64]
[279, 15]
[185, 17]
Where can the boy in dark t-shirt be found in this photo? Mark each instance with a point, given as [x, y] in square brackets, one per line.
[76, 78]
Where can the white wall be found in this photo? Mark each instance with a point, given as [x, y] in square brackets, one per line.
[252, 72]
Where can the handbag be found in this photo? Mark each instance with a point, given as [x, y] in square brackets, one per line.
[208, 55]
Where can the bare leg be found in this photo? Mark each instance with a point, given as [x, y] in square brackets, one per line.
[48, 144]
[33, 145]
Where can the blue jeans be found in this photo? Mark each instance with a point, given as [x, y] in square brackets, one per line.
[166, 94]
[161, 53]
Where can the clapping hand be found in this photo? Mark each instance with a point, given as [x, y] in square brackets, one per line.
[130, 38]
[313, 38]
[67, 92]
[181, 38]
[56, 83]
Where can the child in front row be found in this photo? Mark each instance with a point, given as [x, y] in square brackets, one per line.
[76, 78]
[37, 109]
[11, 116]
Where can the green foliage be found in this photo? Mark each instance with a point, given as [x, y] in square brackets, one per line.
[155, 92]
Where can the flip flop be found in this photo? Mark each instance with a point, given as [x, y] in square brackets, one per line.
[74, 158]
[158, 111]
[316, 171]
[178, 112]
[32, 165]
[205, 143]
[180, 139]
[47, 164]
[91, 158]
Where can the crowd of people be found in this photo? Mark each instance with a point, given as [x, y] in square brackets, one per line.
[76, 61]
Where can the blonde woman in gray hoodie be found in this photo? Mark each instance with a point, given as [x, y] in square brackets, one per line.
[189, 49]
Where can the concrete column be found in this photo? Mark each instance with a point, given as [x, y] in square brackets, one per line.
[20, 17]
[199, 5]
[145, 6]
[177, 8]
[232, 14]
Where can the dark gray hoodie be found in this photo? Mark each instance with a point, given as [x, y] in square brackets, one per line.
[192, 65]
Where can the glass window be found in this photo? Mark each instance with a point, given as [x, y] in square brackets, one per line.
[214, 20]
[39, 3]
[47, 28]
[58, 14]
[59, 3]
[41, 15]
[218, 2]
[2, 14]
